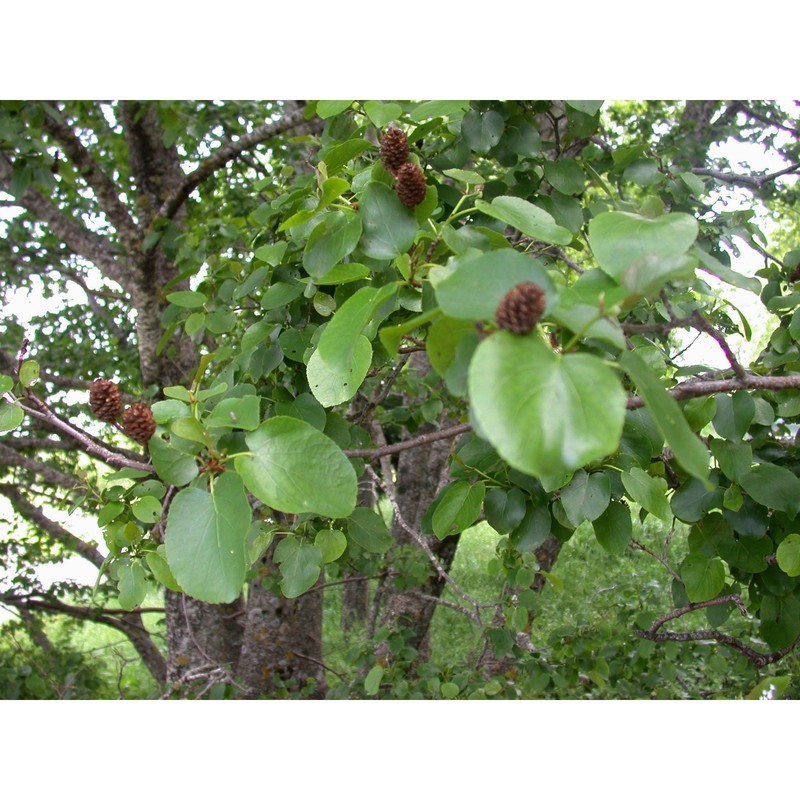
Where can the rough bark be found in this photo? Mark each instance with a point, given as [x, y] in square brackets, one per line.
[282, 642]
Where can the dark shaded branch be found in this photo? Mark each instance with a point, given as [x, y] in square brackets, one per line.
[11, 458]
[88, 445]
[752, 181]
[56, 532]
[103, 187]
[419, 441]
[129, 623]
[90, 245]
[222, 155]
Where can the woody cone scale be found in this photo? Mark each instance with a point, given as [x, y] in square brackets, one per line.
[394, 149]
[521, 308]
[105, 400]
[138, 422]
[409, 185]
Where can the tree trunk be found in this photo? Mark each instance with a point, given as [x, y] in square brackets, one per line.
[282, 643]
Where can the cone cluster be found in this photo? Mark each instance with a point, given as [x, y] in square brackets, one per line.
[521, 308]
[138, 422]
[105, 401]
[409, 180]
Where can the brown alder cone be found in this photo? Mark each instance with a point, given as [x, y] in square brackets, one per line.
[394, 149]
[409, 184]
[105, 400]
[521, 308]
[139, 423]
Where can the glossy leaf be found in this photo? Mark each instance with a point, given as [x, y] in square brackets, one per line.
[334, 238]
[649, 491]
[774, 487]
[458, 507]
[643, 253]
[703, 577]
[389, 227]
[666, 413]
[477, 284]
[613, 528]
[367, 529]
[296, 469]
[526, 218]
[205, 539]
[300, 566]
[544, 413]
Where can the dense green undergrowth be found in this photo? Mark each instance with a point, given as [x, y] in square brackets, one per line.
[583, 642]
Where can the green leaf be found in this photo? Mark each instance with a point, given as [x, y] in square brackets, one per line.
[641, 253]
[28, 373]
[341, 154]
[271, 253]
[457, 508]
[443, 340]
[505, 510]
[336, 383]
[389, 227]
[367, 529]
[205, 539]
[477, 284]
[613, 528]
[236, 412]
[132, 585]
[465, 176]
[381, 114]
[343, 356]
[482, 130]
[300, 566]
[588, 107]
[187, 299]
[296, 469]
[668, 417]
[146, 509]
[330, 108]
[788, 555]
[734, 415]
[6, 384]
[586, 497]
[565, 175]
[11, 416]
[526, 218]
[774, 487]
[372, 683]
[723, 272]
[648, 491]
[331, 544]
[343, 273]
[172, 465]
[161, 572]
[544, 413]
[334, 238]
[703, 577]
[533, 530]
[770, 688]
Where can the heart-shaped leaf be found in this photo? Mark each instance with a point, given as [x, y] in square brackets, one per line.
[544, 413]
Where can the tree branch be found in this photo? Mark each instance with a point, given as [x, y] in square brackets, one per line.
[103, 187]
[222, 155]
[752, 181]
[11, 458]
[78, 238]
[57, 532]
[128, 623]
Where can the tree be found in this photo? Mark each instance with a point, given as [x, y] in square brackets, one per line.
[323, 339]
